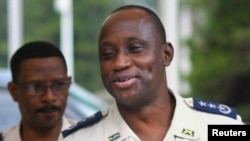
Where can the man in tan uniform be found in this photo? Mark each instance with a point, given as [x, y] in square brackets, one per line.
[40, 86]
[133, 54]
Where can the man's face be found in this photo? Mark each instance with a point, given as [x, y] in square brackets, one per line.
[131, 57]
[41, 91]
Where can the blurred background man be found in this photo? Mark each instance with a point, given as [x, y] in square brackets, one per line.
[39, 85]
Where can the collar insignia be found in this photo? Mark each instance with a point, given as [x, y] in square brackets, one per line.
[188, 132]
[114, 136]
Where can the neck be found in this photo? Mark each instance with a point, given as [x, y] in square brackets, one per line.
[29, 133]
[152, 121]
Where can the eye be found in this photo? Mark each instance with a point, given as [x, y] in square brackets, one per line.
[59, 85]
[37, 87]
[136, 48]
[107, 53]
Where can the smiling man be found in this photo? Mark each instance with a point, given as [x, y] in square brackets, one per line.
[133, 55]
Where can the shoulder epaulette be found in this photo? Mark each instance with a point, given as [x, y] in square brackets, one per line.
[213, 107]
[83, 123]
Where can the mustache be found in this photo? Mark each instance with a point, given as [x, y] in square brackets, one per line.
[49, 108]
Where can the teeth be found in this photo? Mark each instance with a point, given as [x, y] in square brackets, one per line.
[124, 80]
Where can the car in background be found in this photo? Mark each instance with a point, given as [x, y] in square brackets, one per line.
[81, 103]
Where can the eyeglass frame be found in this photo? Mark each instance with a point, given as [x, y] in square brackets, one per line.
[37, 88]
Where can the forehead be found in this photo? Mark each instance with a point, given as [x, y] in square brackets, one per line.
[42, 67]
[132, 21]
[127, 15]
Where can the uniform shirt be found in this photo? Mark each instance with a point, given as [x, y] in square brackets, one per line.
[190, 122]
[13, 134]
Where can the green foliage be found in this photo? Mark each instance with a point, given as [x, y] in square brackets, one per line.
[40, 22]
[88, 17]
[221, 53]
[3, 34]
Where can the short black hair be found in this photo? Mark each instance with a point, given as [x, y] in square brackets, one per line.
[33, 49]
[156, 20]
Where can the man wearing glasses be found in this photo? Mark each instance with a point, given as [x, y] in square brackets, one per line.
[40, 86]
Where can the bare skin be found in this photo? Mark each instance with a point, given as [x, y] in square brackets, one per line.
[133, 57]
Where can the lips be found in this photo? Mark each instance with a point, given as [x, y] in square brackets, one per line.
[123, 78]
[49, 111]
[124, 82]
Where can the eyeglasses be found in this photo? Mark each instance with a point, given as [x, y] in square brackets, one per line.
[60, 87]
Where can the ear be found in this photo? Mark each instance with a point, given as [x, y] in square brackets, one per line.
[168, 51]
[13, 91]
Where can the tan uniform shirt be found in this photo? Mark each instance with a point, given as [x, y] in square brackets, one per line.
[188, 123]
[13, 134]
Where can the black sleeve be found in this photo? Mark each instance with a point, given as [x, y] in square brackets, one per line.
[1, 137]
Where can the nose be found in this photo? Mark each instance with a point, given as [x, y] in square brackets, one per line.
[48, 96]
[121, 61]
